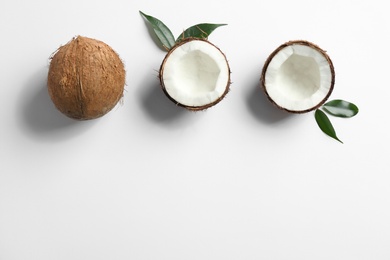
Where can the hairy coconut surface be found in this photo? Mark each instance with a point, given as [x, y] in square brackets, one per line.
[298, 76]
[195, 74]
[86, 78]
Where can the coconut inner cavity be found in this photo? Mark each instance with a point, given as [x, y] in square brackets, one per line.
[195, 74]
[298, 77]
[199, 72]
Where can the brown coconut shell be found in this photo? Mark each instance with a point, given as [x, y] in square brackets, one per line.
[192, 108]
[86, 78]
[272, 55]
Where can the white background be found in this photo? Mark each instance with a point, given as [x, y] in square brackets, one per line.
[150, 180]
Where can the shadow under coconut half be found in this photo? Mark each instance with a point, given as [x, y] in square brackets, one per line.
[298, 77]
[157, 106]
[262, 109]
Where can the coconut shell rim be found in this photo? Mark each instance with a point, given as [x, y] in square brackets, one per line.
[272, 55]
[162, 66]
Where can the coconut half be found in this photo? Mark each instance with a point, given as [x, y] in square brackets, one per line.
[298, 77]
[195, 74]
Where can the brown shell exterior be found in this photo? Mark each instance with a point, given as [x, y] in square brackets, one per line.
[86, 78]
[311, 45]
[192, 108]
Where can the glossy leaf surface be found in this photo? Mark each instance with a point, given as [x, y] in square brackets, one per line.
[325, 124]
[201, 31]
[163, 33]
[341, 108]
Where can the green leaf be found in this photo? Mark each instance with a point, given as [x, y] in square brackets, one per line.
[341, 108]
[325, 124]
[202, 31]
[162, 31]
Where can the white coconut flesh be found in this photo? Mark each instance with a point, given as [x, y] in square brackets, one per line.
[298, 78]
[196, 74]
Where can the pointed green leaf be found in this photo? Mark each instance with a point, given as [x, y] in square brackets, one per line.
[341, 108]
[325, 124]
[201, 31]
[162, 31]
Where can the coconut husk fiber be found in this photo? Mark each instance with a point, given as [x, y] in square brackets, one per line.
[86, 78]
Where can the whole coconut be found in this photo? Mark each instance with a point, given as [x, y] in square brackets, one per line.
[86, 78]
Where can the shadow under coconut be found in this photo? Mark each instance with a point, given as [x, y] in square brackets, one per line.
[262, 109]
[40, 118]
[158, 106]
